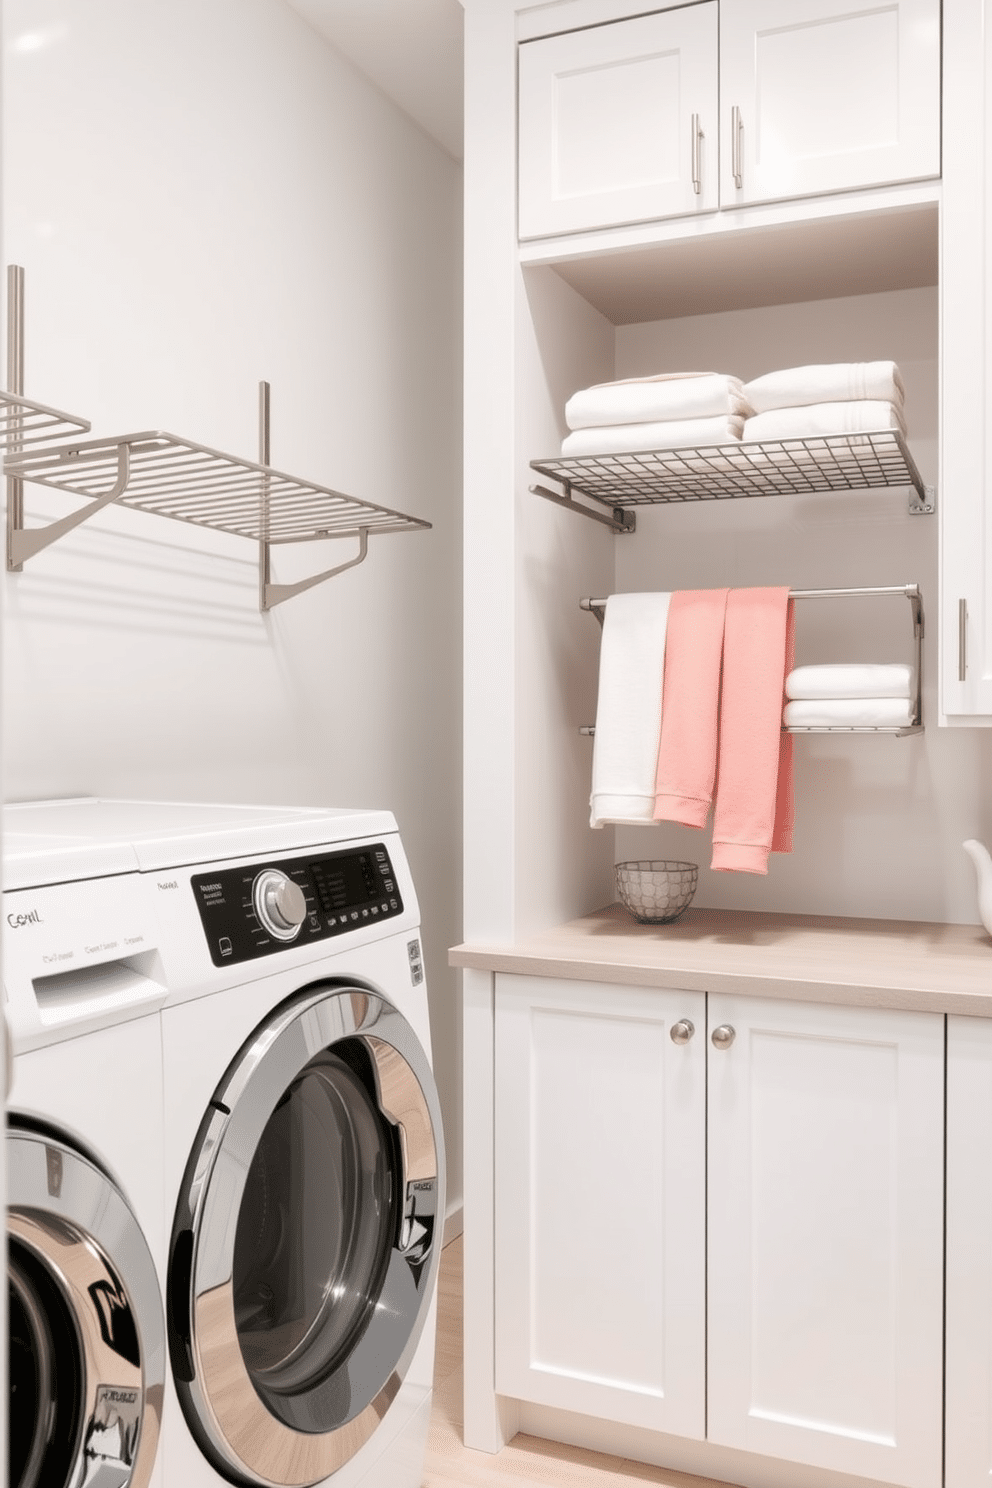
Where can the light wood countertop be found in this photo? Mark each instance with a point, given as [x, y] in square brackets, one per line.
[875, 963]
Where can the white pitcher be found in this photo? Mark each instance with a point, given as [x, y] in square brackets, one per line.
[979, 855]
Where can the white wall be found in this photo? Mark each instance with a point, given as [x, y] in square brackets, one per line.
[879, 822]
[203, 194]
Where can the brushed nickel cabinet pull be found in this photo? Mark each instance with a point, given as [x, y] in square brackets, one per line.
[736, 130]
[697, 172]
[962, 639]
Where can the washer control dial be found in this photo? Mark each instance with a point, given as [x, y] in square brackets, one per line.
[280, 905]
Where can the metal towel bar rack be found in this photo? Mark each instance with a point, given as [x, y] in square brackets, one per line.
[911, 592]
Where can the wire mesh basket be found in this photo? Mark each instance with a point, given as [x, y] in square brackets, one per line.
[656, 892]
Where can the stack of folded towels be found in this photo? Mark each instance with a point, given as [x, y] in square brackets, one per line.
[850, 696]
[649, 413]
[697, 409]
[836, 398]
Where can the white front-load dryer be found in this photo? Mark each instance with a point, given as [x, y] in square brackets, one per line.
[85, 1220]
[304, 1161]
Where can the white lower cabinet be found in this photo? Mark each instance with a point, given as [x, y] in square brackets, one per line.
[969, 1253]
[826, 1170]
[808, 1182]
[600, 1200]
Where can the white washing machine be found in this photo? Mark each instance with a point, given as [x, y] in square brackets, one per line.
[303, 1153]
[86, 1222]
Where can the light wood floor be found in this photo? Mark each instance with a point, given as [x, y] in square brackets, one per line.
[527, 1462]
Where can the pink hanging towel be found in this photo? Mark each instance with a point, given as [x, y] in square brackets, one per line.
[687, 750]
[754, 809]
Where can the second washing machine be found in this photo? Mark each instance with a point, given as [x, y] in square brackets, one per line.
[85, 1221]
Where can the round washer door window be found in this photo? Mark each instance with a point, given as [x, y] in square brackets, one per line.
[86, 1340]
[303, 1255]
[44, 1422]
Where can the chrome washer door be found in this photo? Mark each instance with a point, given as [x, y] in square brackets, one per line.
[86, 1337]
[307, 1238]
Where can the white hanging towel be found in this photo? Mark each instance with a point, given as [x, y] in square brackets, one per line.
[852, 680]
[829, 382]
[669, 395]
[628, 711]
[886, 712]
[819, 419]
[618, 439]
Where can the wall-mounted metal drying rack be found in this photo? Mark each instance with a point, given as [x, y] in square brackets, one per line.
[22, 421]
[788, 467]
[172, 477]
[911, 592]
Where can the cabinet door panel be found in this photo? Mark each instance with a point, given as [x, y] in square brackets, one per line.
[966, 336]
[600, 1235]
[832, 96]
[969, 1253]
[605, 122]
[825, 1237]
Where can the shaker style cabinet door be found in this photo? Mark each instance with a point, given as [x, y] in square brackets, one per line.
[827, 95]
[618, 123]
[600, 1190]
[965, 489]
[826, 1236]
[968, 1461]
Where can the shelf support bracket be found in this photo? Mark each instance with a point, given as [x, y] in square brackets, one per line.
[923, 503]
[618, 520]
[25, 542]
[271, 594]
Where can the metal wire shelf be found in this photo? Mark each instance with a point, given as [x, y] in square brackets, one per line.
[156, 472]
[23, 421]
[170, 477]
[174, 477]
[831, 462]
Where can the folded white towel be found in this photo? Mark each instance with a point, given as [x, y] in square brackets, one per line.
[884, 712]
[824, 418]
[628, 712]
[641, 400]
[852, 680]
[831, 382]
[617, 439]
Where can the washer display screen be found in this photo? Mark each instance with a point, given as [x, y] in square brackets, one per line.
[342, 891]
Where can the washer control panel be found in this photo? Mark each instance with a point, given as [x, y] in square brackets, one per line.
[255, 910]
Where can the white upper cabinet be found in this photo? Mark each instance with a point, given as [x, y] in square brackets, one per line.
[823, 95]
[618, 123]
[966, 334]
[724, 104]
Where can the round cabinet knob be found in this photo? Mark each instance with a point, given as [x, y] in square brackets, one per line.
[280, 905]
[723, 1036]
[682, 1031]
